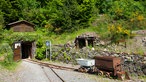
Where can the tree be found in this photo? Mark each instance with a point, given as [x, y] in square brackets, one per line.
[6, 9]
[71, 15]
[1, 26]
[25, 8]
[124, 9]
[104, 5]
[15, 10]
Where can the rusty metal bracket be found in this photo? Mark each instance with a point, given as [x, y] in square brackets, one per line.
[123, 75]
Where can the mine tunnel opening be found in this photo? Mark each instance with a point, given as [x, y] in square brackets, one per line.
[90, 42]
[82, 43]
[23, 50]
[26, 49]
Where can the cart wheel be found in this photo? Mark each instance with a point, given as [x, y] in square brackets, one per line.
[94, 69]
[80, 70]
[85, 70]
[107, 74]
[100, 73]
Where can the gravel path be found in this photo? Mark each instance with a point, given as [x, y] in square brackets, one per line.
[51, 75]
[71, 76]
[30, 72]
[4, 75]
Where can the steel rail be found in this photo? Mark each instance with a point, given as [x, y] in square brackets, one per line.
[46, 74]
[51, 65]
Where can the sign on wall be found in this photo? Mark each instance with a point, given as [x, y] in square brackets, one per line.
[17, 45]
[48, 43]
[48, 49]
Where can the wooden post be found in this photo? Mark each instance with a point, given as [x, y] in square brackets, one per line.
[86, 42]
[77, 44]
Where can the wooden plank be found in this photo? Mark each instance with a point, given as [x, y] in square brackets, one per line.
[17, 51]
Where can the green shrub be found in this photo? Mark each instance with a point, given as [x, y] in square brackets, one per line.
[137, 21]
[7, 53]
[118, 33]
[40, 52]
[39, 43]
[55, 55]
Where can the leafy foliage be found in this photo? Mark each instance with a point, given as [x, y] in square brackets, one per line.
[118, 33]
[124, 9]
[6, 52]
[18, 9]
[70, 15]
[63, 15]
[19, 36]
[137, 21]
[40, 52]
[104, 5]
[1, 26]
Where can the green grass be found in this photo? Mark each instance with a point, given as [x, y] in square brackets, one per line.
[142, 78]
[65, 37]
[9, 66]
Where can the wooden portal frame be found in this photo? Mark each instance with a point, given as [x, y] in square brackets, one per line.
[81, 42]
[23, 49]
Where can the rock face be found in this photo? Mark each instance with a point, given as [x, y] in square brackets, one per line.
[134, 64]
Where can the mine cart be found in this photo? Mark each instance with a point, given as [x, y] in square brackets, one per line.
[85, 64]
[110, 66]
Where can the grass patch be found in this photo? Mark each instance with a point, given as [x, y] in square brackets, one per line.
[143, 78]
[65, 37]
[9, 66]
[7, 53]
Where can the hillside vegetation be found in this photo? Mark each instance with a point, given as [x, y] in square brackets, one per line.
[61, 21]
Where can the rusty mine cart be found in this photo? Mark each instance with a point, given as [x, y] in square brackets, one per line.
[107, 66]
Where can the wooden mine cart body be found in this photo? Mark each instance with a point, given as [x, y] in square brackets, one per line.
[109, 64]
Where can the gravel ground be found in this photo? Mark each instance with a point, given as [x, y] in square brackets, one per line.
[51, 75]
[30, 72]
[4, 75]
[71, 76]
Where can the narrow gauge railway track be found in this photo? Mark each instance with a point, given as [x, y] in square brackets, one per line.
[51, 66]
[54, 73]
[46, 74]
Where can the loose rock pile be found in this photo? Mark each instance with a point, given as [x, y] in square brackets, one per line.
[134, 64]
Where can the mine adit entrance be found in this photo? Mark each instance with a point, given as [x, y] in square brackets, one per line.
[82, 42]
[86, 39]
[23, 50]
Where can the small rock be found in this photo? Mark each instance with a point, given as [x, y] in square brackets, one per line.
[116, 55]
[128, 58]
[144, 58]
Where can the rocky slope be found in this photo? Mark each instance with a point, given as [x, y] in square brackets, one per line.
[133, 55]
